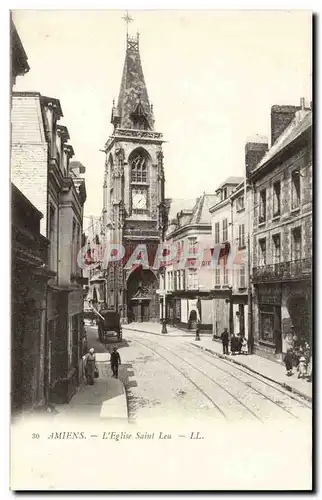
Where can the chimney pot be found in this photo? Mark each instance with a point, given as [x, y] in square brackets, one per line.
[302, 103]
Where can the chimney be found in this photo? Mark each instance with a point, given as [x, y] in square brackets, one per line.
[254, 151]
[281, 117]
[302, 101]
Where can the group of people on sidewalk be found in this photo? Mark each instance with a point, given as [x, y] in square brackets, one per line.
[238, 343]
[91, 368]
[299, 358]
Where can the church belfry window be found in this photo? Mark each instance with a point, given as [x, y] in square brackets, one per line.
[139, 169]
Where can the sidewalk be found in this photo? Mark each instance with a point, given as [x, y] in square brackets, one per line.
[273, 371]
[155, 329]
[105, 399]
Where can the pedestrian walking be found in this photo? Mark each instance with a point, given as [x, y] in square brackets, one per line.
[115, 362]
[225, 341]
[198, 330]
[90, 366]
[288, 361]
[239, 343]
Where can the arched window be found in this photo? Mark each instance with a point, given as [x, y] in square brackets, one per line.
[139, 168]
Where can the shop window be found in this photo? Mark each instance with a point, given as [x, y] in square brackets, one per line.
[267, 324]
[277, 199]
[262, 206]
[193, 282]
[296, 189]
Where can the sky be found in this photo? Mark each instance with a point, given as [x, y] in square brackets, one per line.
[212, 77]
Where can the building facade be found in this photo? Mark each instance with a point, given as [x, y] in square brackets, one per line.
[282, 235]
[133, 194]
[188, 274]
[40, 169]
[222, 272]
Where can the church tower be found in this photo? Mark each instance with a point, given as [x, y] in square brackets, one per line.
[133, 194]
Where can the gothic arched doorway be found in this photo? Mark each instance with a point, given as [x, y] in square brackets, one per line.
[142, 300]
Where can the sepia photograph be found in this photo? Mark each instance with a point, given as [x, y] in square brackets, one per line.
[161, 250]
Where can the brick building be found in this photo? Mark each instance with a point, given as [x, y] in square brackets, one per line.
[41, 170]
[188, 276]
[282, 234]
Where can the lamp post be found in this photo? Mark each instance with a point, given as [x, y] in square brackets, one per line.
[164, 310]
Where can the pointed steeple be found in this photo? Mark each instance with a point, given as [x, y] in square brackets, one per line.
[133, 110]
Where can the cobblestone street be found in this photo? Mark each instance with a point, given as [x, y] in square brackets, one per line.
[171, 377]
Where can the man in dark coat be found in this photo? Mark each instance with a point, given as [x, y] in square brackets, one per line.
[115, 362]
[225, 341]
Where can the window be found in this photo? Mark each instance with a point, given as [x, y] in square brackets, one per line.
[242, 277]
[277, 248]
[73, 253]
[225, 270]
[52, 234]
[241, 235]
[240, 203]
[139, 169]
[217, 229]
[296, 244]
[296, 189]
[193, 279]
[182, 279]
[224, 194]
[176, 287]
[276, 199]
[193, 244]
[262, 206]
[262, 252]
[217, 275]
[224, 230]
[267, 323]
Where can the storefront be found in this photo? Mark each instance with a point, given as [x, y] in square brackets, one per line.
[269, 303]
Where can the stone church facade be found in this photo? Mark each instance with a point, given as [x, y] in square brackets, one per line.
[133, 196]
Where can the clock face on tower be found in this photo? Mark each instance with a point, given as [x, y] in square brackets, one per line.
[139, 199]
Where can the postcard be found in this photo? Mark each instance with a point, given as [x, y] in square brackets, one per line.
[161, 250]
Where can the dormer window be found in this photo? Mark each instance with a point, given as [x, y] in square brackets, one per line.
[224, 194]
[139, 118]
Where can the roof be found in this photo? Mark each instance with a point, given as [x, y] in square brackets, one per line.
[301, 123]
[176, 205]
[197, 210]
[201, 213]
[230, 180]
[133, 94]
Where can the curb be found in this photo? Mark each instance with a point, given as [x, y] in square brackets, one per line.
[154, 333]
[282, 384]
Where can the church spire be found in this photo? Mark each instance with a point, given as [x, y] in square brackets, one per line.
[133, 110]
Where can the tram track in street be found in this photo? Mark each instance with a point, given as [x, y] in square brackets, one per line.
[250, 374]
[193, 383]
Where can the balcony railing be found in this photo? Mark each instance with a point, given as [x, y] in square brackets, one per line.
[283, 271]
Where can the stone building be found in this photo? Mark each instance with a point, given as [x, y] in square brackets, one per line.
[282, 234]
[188, 277]
[222, 234]
[133, 193]
[41, 170]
